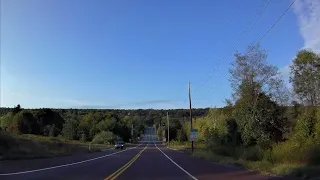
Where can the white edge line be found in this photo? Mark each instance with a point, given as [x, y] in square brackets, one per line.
[176, 163]
[65, 165]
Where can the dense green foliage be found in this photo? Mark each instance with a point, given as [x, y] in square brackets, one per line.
[306, 77]
[90, 124]
[104, 137]
[260, 127]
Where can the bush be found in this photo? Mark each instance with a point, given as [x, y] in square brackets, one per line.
[104, 137]
[294, 152]
[313, 156]
[252, 154]
[83, 137]
[286, 152]
[5, 121]
[181, 135]
[222, 150]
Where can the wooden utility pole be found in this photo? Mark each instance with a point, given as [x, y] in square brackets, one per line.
[168, 127]
[132, 133]
[190, 115]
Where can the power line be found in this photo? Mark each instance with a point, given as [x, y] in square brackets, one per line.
[224, 30]
[244, 32]
[259, 41]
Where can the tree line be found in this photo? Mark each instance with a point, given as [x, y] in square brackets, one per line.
[96, 125]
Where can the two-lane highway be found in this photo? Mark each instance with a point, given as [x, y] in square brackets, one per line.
[149, 160]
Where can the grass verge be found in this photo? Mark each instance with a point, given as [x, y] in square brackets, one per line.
[264, 167]
[184, 145]
[26, 146]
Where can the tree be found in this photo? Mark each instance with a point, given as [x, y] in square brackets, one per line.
[257, 86]
[25, 123]
[251, 72]
[305, 77]
[104, 137]
[181, 135]
[69, 130]
[16, 109]
[5, 120]
[160, 133]
[46, 118]
[263, 125]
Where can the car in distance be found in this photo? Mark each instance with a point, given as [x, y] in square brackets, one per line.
[119, 145]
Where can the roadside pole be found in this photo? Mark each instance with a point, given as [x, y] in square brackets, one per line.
[190, 115]
[132, 133]
[168, 127]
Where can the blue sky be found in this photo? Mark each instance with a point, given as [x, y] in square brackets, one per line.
[138, 54]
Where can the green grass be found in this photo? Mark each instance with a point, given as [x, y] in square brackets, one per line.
[295, 171]
[263, 167]
[15, 146]
[184, 145]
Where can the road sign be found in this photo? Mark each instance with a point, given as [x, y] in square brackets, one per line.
[193, 134]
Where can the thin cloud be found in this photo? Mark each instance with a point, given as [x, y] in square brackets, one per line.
[151, 102]
[158, 104]
[64, 102]
[285, 72]
[73, 103]
[308, 15]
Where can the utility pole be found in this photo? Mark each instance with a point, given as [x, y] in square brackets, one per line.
[190, 115]
[168, 126]
[132, 133]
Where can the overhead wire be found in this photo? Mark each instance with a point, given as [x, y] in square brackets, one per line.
[235, 10]
[244, 33]
[257, 15]
[259, 41]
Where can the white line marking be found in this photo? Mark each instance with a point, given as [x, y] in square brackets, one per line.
[176, 163]
[65, 165]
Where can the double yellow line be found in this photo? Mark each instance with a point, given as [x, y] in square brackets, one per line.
[124, 167]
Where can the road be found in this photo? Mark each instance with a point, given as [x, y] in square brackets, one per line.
[148, 160]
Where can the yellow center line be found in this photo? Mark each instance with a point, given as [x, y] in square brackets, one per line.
[124, 167]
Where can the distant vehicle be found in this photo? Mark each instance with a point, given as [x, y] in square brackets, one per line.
[119, 145]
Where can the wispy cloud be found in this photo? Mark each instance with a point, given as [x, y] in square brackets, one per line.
[285, 72]
[308, 14]
[156, 104]
[150, 102]
[33, 101]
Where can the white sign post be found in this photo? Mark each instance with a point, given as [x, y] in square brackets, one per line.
[193, 134]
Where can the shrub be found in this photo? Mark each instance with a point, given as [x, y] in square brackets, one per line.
[252, 154]
[222, 150]
[83, 137]
[104, 137]
[5, 121]
[313, 156]
[288, 151]
[181, 135]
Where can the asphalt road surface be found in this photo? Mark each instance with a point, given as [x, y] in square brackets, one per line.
[148, 160]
